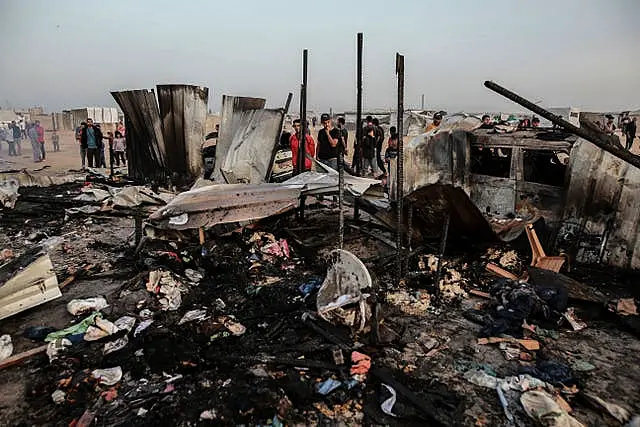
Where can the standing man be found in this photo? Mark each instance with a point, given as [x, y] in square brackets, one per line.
[10, 141]
[379, 134]
[40, 131]
[17, 137]
[91, 140]
[32, 133]
[328, 137]
[294, 142]
[630, 131]
[368, 151]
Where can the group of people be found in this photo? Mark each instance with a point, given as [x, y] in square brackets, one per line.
[34, 132]
[368, 159]
[13, 137]
[91, 141]
[526, 123]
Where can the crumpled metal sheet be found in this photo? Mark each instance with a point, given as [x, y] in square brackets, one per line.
[145, 141]
[225, 203]
[183, 111]
[248, 140]
[129, 197]
[601, 220]
[318, 183]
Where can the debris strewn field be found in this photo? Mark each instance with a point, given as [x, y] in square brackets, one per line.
[226, 331]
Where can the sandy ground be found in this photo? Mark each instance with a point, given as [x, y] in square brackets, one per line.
[67, 158]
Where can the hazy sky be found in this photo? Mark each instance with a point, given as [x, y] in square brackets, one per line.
[63, 54]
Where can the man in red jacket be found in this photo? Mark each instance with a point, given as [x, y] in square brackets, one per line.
[309, 146]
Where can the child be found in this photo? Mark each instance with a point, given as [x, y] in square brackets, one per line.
[55, 139]
[119, 148]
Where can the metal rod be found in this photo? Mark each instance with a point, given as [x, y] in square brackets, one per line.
[288, 103]
[399, 169]
[341, 147]
[302, 141]
[599, 140]
[410, 212]
[276, 146]
[357, 146]
[443, 247]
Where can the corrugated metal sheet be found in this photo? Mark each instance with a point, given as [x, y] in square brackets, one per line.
[145, 141]
[232, 107]
[250, 156]
[225, 203]
[183, 110]
[602, 212]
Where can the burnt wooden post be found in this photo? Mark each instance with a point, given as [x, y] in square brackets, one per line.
[399, 169]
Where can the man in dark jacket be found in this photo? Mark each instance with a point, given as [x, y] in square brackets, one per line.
[379, 134]
[91, 140]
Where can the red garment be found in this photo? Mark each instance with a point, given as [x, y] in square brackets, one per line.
[310, 149]
[40, 131]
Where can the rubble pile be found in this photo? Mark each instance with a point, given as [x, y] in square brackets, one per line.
[270, 325]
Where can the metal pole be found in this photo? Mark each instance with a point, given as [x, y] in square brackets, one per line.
[303, 114]
[599, 140]
[443, 246]
[341, 146]
[303, 127]
[399, 169]
[356, 145]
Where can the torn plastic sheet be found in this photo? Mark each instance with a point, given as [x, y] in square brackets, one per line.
[193, 315]
[6, 347]
[387, 405]
[541, 407]
[109, 376]
[116, 345]
[142, 326]
[81, 306]
[346, 278]
[90, 194]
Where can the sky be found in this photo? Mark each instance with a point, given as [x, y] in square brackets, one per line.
[66, 54]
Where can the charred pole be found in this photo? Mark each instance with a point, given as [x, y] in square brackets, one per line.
[400, 168]
[356, 145]
[599, 140]
[303, 115]
[341, 145]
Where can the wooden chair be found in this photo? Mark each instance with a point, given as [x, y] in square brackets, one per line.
[539, 259]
